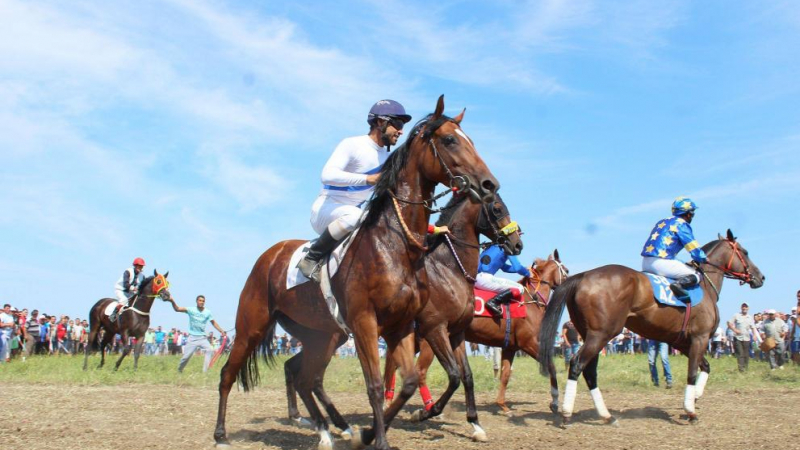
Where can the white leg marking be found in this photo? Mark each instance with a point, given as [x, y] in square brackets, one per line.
[348, 433]
[569, 397]
[478, 434]
[325, 442]
[701, 384]
[688, 400]
[599, 404]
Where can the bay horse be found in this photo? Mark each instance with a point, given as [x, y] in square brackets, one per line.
[491, 331]
[133, 322]
[450, 262]
[380, 286]
[602, 301]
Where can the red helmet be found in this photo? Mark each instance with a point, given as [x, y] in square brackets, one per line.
[138, 262]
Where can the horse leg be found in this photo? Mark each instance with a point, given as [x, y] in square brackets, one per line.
[322, 396]
[389, 380]
[290, 370]
[460, 351]
[125, 350]
[702, 378]
[589, 351]
[137, 351]
[88, 348]
[107, 338]
[366, 342]
[402, 351]
[696, 350]
[247, 339]
[590, 375]
[316, 356]
[439, 345]
[507, 359]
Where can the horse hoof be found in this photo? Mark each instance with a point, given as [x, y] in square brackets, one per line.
[347, 434]
[325, 445]
[479, 436]
[566, 422]
[554, 408]
[301, 422]
[612, 421]
[693, 419]
[417, 416]
[222, 444]
[357, 441]
[508, 413]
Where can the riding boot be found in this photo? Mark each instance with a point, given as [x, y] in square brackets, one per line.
[312, 262]
[502, 298]
[681, 284]
[115, 313]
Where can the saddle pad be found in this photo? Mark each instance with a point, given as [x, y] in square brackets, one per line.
[664, 295]
[110, 308]
[481, 297]
[293, 276]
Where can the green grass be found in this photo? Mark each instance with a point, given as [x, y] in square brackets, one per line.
[344, 375]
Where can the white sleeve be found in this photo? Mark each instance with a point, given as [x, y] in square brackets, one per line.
[334, 173]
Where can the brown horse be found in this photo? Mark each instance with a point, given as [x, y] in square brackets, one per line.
[523, 334]
[451, 287]
[380, 287]
[604, 300]
[132, 322]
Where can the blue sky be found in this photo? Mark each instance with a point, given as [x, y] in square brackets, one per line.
[193, 133]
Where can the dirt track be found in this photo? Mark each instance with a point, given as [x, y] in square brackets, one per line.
[142, 417]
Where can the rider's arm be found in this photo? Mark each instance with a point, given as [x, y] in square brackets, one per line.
[334, 173]
[126, 281]
[690, 243]
[512, 265]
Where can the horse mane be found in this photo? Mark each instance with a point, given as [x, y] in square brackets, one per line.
[390, 171]
[450, 210]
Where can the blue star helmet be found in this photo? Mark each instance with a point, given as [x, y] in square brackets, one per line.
[683, 205]
[387, 110]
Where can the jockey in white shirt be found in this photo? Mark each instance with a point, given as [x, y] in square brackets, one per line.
[128, 285]
[348, 180]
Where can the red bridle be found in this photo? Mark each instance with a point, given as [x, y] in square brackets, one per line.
[743, 277]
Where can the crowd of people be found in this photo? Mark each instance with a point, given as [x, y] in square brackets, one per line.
[24, 333]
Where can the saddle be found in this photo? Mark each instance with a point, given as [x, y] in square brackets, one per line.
[664, 295]
[516, 307]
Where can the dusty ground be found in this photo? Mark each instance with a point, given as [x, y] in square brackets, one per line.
[142, 417]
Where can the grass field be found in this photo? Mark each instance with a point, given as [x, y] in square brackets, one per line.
[344, 375]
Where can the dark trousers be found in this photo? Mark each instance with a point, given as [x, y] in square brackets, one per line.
[742, 349]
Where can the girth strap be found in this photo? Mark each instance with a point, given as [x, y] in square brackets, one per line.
[688, 313]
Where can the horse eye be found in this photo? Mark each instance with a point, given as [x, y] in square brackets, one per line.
[449, 140]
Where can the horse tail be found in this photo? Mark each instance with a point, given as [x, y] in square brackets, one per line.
[249, 376]
[552, 316]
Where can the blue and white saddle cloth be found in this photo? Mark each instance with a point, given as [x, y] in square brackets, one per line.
[664, 295]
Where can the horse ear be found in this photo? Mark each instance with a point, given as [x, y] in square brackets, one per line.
[439, 108]
[731, 237]
[166, 274]
[155, 272]
[460, 117]
[555, 254]
[719, 236]
[550, 257]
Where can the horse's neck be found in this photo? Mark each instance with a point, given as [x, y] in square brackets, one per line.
[415, 216]
[143, 301]
[542, 288]
[713, 282]
[463, 229]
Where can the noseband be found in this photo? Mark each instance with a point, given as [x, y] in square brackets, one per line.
[728, 272]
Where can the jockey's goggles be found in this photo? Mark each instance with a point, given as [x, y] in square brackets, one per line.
[396, 122]
[510, 228]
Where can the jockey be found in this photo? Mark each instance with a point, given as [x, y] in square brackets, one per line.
[491, 260]
[348, 180]
[128, 285]
[666, 240]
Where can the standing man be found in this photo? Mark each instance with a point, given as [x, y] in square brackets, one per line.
[32, 337]
[742, 325]
[199, 316]
[348, 180]
[571, 340]
[6, 329]
[775, 328]
[160, 336]
[661, 348]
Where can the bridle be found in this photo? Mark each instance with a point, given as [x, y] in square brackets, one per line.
[562, 275]
[728, 272]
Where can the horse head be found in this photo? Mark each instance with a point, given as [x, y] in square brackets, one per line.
[494, 222]
[549, 271]
[728, 255]
[157, 286]
[453, 160]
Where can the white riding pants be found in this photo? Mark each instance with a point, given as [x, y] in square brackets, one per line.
[489, 282]
[338, 218]
[670, 268]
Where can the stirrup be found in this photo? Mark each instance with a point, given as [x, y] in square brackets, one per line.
[310, 268]
[495, 310]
